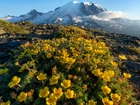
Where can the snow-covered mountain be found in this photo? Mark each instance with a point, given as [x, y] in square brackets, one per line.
[31, 16]
[65, 14]
[83, 14]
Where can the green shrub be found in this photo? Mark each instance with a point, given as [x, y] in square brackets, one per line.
[11, 28]
[69, 31]
[73, 71]
[135, 50]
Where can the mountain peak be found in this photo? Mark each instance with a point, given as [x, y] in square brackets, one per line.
[91, 8]
[73, 2]
[33, 11]
[88, 3]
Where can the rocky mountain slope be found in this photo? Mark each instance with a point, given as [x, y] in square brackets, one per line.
[118, 44]
[82, 14]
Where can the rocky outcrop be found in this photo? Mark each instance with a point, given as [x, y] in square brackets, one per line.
[91, 9]
[2, 31]
[133, 65]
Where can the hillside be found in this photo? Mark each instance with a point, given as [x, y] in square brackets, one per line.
[10, 28]
[18, 48]
[83, 14]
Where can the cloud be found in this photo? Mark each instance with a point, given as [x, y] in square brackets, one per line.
[112, 14]
[105, 16]
[77, 19]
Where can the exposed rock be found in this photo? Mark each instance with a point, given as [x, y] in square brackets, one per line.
[133, 65]
[3, 57]
[2, 31]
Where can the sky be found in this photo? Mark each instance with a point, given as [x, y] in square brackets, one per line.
[20, 7]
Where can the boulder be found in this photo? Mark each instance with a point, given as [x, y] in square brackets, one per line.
[3, 57]
[133, 65]
[2, 31]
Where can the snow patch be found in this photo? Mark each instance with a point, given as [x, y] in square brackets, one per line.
[87, 3]
[75, 2]
[77, 19]
[99, 6]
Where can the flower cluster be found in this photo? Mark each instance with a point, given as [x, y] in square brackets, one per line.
[5, 103]
[72, 70]
[106, 101]
[106, 89]
[106, 76]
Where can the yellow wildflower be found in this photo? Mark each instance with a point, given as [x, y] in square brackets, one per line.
[121, 80]
[16, 63]
[84, 87]
[107, 102]
[52, 49]
[74, 95]
[66, 83]
[54, 70]
[75, 54]
[46, 46]
[44, 92]
[70, 76]
[81, 103]
[22, 96]
[5, 103]
[58, 92]
[91, 102]
[99, 51]
[106, 89]
[54, 79]
[96, 72]
[49, 55]
[96, 60]
[69, 93]
[30, 93]
[123, 57]
[101, 75]
[15, 81]
[74, 77]
[41, 77]
[34, 52]
[71, 61]
[127, 75]
[111, 73]
[115, 97]
[114, 63]
[106, 77]
[64, 52]
[51, 100]
[78, 68]
[5, 71]
[89, 48]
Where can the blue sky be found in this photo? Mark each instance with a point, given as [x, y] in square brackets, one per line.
[18, 7]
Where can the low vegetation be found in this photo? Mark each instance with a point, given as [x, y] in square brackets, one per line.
[135, 50]
[73, 68]
[11, 28]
